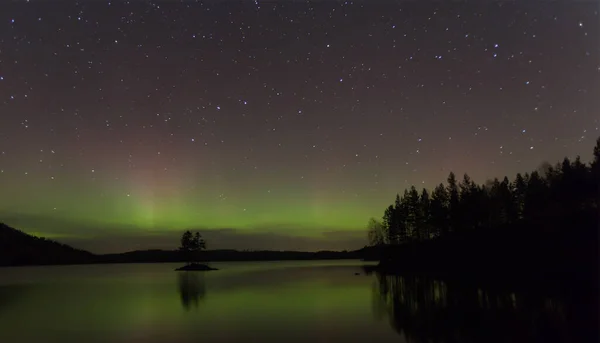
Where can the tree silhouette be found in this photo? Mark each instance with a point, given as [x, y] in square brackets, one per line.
[453, 205]
[389, 222]
[545, 198]
[519, 190]
[595, 173]
[596, 161]
[401, 212]
[412, 212]
[439, 210]
[191, 245]
[424, 216]
[376, 231]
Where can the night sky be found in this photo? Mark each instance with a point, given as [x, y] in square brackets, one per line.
[276, 125]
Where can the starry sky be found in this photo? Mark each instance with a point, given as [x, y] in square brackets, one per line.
[276, 124]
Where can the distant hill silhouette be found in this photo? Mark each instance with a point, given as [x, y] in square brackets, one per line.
[18, 248]
[227, 255]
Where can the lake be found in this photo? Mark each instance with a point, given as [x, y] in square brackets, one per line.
[308, 301]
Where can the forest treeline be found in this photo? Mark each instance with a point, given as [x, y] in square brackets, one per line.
[545, 218]
[459, 206]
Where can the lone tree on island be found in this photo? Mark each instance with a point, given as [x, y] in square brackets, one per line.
[191, 245]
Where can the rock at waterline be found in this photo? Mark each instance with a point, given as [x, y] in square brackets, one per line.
[195, 267]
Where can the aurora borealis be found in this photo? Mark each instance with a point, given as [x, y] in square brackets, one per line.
[276, 125]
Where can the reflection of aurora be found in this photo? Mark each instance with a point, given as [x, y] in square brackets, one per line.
[271, 302]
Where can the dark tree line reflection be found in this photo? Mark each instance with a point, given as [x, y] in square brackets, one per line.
[430, 310]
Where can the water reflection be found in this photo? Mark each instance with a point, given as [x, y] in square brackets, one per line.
[429, 310]
[10, 294]
[192, 289]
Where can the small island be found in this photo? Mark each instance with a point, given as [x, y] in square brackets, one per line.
[191, 246]
[195, 267]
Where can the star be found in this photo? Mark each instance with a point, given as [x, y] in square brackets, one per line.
[293, 107]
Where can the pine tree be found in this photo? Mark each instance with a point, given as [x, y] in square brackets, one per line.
[186, 245]
[439, 210]
[596, 160]
[376, 232]
[400, 211]
[466, 206]
[535, 197]
[199, 242]
[191, 245]
[412, 210]
[454, 203]
[595, 175]
[481, 206]
[496, 214]
[519, 190]
[508, 204]
[424, 216]
[389, 219]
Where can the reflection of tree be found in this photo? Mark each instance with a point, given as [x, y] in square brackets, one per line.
[427, 310]
[191, 288]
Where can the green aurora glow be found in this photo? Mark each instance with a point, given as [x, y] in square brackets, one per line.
[294, 128]
[70, 208]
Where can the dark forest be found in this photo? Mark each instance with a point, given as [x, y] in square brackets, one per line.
[541, 223]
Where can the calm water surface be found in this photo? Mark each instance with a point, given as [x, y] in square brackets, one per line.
[316, 301]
